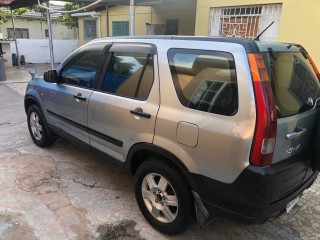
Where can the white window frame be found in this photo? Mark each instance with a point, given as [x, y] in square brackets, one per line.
[97, 28]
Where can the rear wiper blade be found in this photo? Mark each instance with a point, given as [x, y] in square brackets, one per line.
[307, 105]
[317, 103]
[273, 54]
[304, 53]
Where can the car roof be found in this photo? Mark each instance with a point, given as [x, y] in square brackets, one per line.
[248, 44]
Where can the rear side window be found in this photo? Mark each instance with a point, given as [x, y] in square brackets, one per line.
[293, 82]
[205, 80]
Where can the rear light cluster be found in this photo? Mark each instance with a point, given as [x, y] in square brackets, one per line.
[314, 67]
[266, 123]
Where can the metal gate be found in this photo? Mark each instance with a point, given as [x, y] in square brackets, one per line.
[246, 21]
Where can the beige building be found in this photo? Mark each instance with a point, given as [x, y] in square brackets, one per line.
[294, 21]
[171, 17]
[34, 26]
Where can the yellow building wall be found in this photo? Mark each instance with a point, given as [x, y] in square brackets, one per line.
[158, 14]
[185, 13]
[143, 15]
[122, 13]
[299, 21]
[81, 34]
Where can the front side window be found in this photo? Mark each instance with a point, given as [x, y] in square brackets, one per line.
[129, 75]
[82, 70]
[205, 80]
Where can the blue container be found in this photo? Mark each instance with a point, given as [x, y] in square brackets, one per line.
[15, 60]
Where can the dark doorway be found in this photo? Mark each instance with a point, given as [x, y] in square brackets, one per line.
[172, 26]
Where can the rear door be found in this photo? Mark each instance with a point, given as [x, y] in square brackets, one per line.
[123, 110]
[296, 89]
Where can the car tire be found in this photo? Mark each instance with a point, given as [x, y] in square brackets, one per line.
[163, 196]
[38, 128]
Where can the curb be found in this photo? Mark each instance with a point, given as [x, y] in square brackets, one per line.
[9, 81]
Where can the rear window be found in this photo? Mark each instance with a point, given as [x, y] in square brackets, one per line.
[294, 82]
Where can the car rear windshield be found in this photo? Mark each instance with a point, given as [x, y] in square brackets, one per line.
[294, 82]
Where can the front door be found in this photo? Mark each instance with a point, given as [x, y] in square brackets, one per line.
[67, 101]
[123, 110]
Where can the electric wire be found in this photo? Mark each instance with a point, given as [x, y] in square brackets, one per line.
[71, 11]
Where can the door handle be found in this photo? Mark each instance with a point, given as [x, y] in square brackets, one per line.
[139, 112]
[78, 96]
[298, 132]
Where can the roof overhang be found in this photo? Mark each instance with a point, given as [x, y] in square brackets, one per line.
[136, 2]
[120, 2]
[85, 14]
[14, 4]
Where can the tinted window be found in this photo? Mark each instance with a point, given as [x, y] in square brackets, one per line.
[82, 70]
[293, 82]
[129, 75]
[205, 80]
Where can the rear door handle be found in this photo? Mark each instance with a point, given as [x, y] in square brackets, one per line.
[78, 97]
[298, 132]
[139, 112]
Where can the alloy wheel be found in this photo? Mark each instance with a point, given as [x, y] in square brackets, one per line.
[160, 198]
[36, 127]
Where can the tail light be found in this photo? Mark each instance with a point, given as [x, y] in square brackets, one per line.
[314, 67]
[266, 116]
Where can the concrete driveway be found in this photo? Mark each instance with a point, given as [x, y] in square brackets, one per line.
[65, 192]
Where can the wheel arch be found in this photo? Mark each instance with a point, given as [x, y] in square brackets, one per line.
[141, 151]
[30, 100]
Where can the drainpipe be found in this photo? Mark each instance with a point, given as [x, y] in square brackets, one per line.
[50, 36]
[132, 18]
[107, 20]
[15, 37]
[41, 26]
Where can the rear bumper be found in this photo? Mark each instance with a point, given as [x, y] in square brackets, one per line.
[258, 193]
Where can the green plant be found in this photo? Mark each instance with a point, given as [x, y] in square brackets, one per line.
[5, 13]
[69, 21]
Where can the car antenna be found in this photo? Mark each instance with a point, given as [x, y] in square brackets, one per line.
[257, 38]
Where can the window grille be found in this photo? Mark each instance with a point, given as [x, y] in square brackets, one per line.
[20, 33]
[246, 21]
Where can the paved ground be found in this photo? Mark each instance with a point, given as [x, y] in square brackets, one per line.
[64, 192]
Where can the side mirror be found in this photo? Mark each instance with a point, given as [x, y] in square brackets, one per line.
[50, 76]
[33, 74]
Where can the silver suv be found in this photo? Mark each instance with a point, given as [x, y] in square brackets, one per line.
[208, 126]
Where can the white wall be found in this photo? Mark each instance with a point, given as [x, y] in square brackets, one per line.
[37, 50]
[37, 28]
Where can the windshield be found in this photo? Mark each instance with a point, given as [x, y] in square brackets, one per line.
[294, 82]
